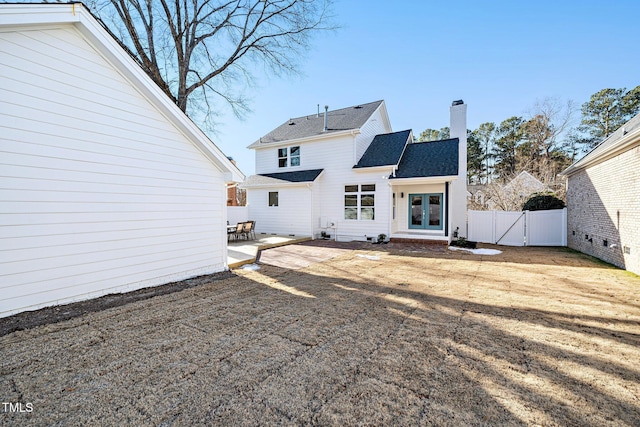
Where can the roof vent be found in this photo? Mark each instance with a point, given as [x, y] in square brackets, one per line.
[458, 102]
[357, 107]
[326, 118]
[291, 123]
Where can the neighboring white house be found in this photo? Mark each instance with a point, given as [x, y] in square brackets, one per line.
[515, 193]
[344, 172]
[510, 196]
[106, 185]
[603, 199]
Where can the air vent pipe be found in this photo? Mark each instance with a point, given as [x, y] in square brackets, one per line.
[326, 118]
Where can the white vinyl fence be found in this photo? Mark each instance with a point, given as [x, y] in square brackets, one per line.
[526, 228]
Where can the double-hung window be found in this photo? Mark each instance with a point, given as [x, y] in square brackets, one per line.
[282, 158]
[295, 156]
[359, 202]
[289, 156]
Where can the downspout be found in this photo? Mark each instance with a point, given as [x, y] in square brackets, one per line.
[310, 187]
[355, 147]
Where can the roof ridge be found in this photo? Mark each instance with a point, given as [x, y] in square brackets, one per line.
[436, 140]
[321, 113]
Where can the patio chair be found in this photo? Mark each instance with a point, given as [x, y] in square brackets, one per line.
[247, 229]
[253, 229]
[231, 230]
[239, 231]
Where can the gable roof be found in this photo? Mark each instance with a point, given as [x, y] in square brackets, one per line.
[524, 180]
[79, 17]
[340, 120]
[427, 159]
[296, 177]
[618, 141]
[385, 150]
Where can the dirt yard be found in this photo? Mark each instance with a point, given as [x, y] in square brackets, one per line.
[377, 335]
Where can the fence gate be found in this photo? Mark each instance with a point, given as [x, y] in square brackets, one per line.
[526, 228]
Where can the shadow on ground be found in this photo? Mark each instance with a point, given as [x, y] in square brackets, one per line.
[398, 338]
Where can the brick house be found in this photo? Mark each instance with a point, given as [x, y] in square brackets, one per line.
[603, 199]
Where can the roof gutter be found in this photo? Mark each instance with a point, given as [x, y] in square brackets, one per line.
[276, 184]
[595, 157]
[423, 180]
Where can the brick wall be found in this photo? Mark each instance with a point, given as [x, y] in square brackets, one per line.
[603, 208]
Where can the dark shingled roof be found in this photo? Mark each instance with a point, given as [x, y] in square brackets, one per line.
[426, 159]
[338, 120]
[297, 176]
[384, 150]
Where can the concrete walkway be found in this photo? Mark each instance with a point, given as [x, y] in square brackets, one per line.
[241, 252]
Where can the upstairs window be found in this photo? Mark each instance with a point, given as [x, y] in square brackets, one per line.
[359, 202]
[295, 156]
[282, 157]
[289, 156]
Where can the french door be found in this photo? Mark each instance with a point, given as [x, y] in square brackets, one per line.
[425, 211]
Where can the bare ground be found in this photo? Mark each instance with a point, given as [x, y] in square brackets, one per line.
[377, 335]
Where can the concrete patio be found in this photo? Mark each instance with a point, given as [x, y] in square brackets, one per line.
[241, 252]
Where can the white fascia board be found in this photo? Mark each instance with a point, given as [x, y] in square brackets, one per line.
[595, 157]
[17, 15]
[385, 115]
[259, 145]
[423, 180]
[76, 14]
[375, 169]
[278, 184]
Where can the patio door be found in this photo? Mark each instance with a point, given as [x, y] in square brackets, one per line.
[425, 211]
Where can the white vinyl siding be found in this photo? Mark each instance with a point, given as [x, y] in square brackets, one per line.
[336, 157]
[373, 127]
[101, 193]
[292, 215]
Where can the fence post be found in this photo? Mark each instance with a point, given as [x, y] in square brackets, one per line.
[564, 227]
[527, 236]
[493, 226]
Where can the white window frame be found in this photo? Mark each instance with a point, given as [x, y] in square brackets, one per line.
[295, 156]
[282, 157]
[287, 157]
[359, 207]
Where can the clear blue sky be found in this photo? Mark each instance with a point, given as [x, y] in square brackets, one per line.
[498, 56]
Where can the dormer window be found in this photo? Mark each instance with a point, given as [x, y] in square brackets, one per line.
[289, 156]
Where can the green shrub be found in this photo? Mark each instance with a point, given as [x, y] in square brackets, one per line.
[542, 202]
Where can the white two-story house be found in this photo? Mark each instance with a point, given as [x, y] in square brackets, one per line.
[347, 174]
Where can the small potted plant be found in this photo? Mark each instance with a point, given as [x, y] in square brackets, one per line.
[324, 235]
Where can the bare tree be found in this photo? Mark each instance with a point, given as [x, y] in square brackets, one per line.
[199, 50]
[511, 193]
[542, 153]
